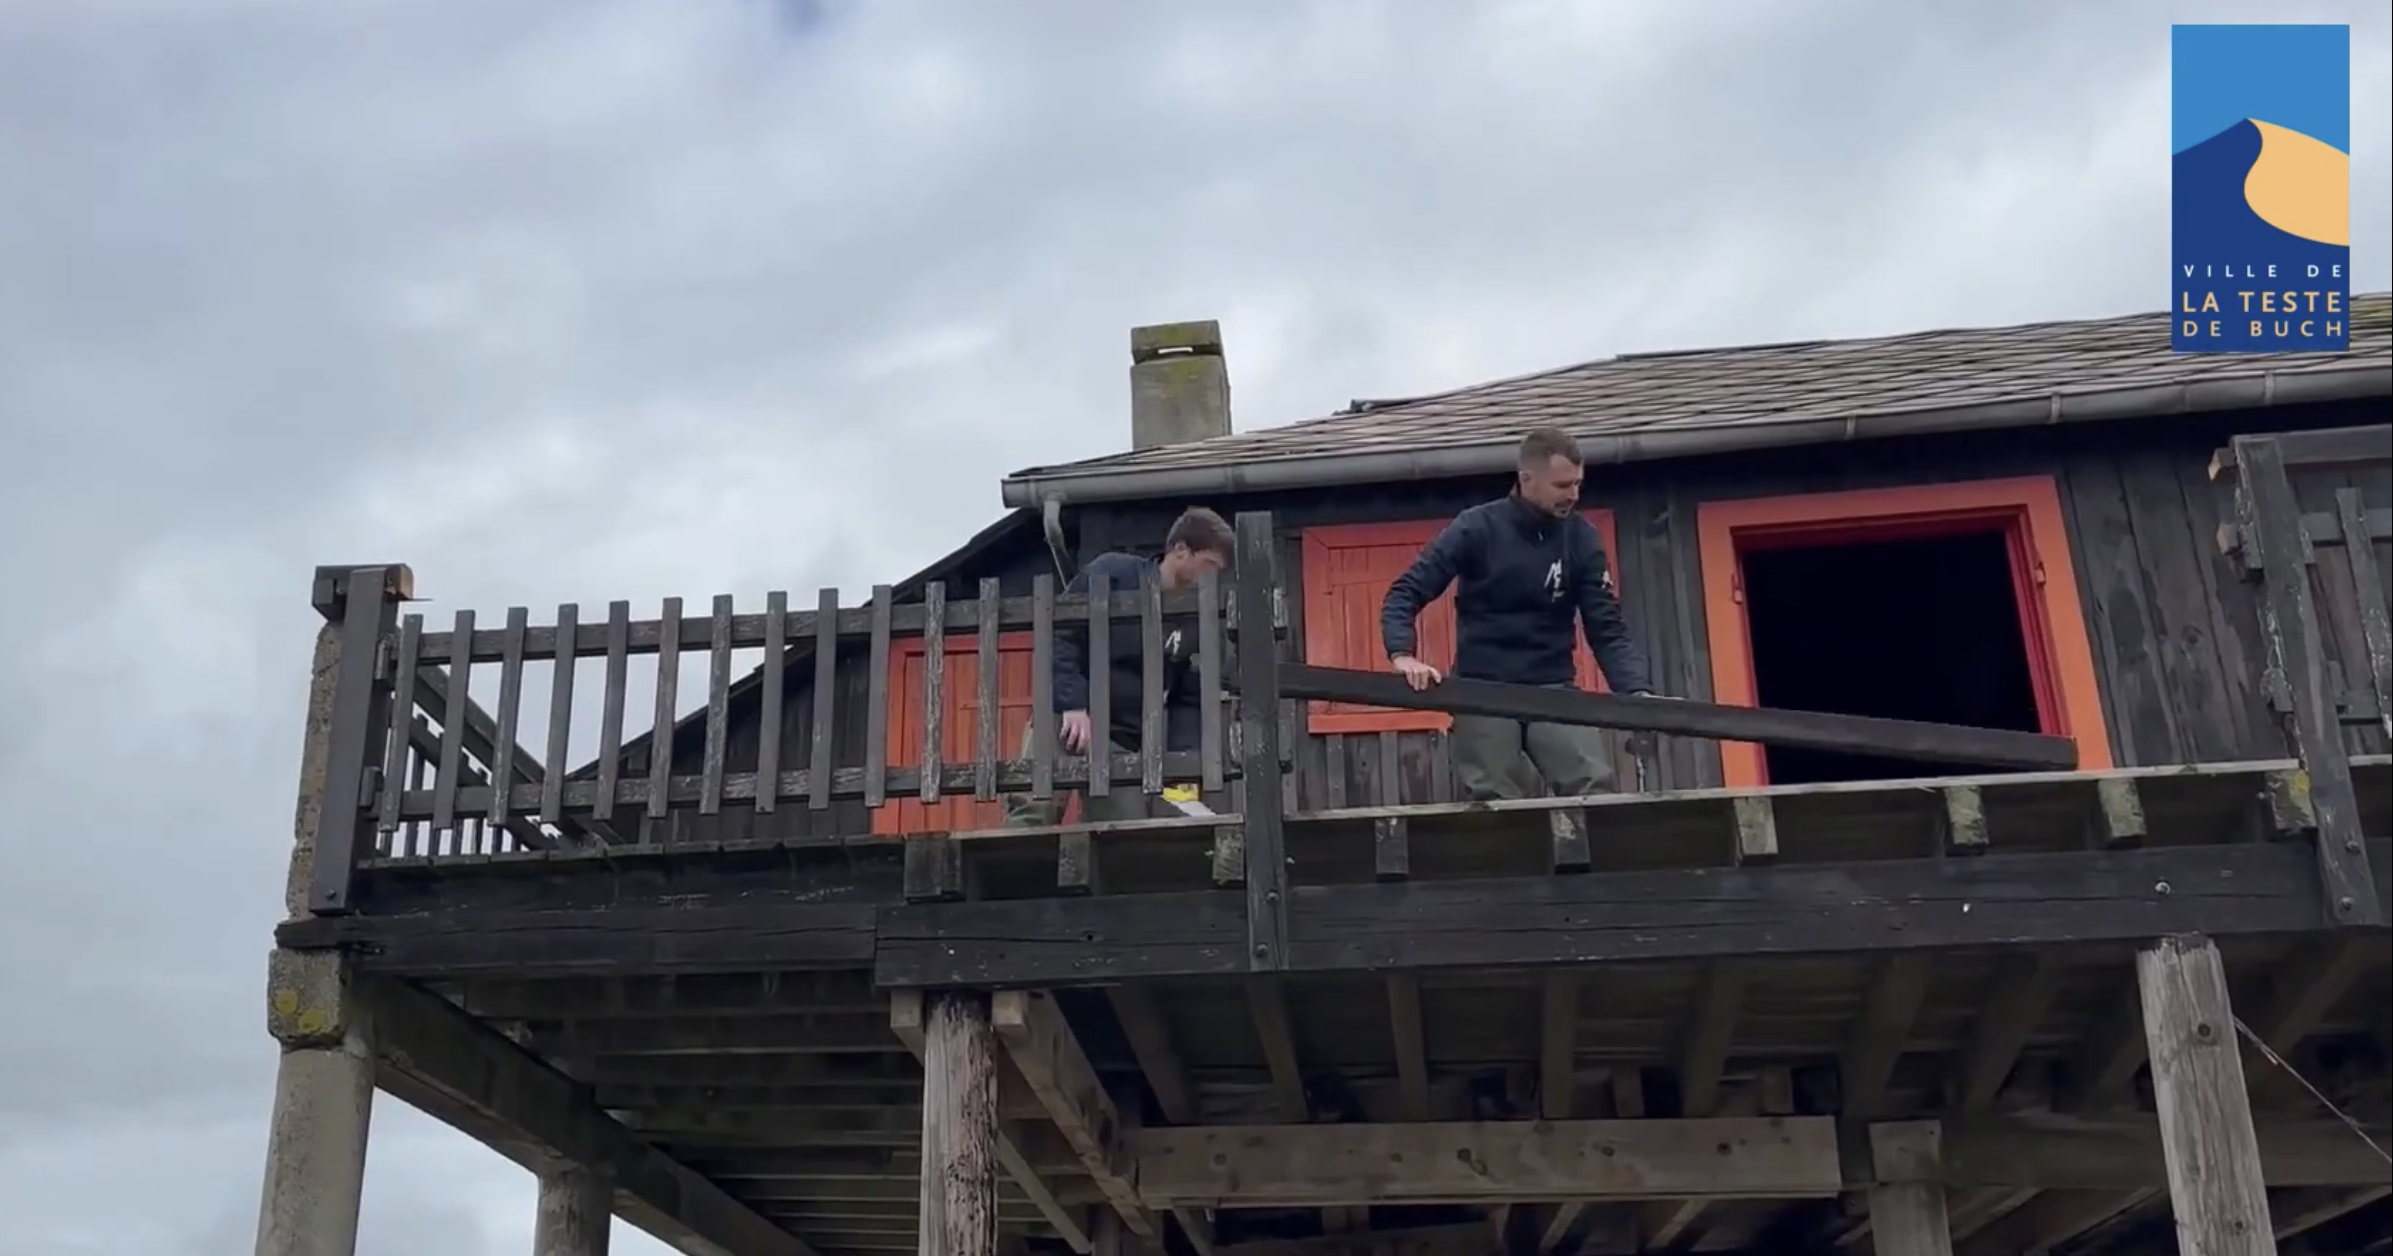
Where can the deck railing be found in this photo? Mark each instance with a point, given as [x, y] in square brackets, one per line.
[2283, 549]
[405, 780]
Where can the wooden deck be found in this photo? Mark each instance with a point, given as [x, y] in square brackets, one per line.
[1990, 1010]
[785, 1084]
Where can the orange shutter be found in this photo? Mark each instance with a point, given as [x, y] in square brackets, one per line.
[1347, 571]
[958, 728]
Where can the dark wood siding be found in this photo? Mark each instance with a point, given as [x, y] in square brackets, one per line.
[2173, 628]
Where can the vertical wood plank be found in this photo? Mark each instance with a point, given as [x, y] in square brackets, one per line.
[502, 763]
[1391, 849]
[1333, 771]
[769, 702]
[959, 1126]
[668, 700]
[2206, 1134]
[825, 697]
[1100, 685]
[2368, 585]
[610, 718]
[420, 840]
[1150, 683]
[1209, 697]
[452, 723]
[560, 714]
[397, 750]
[2289, 622]
[934, 687]
[1259, 757]
[1907, 1210]
[718, 707]
[989, 610]
[876, 702]
[1041, 750]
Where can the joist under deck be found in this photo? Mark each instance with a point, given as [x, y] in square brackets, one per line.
[1732, 975]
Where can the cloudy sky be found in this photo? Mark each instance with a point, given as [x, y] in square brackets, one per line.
[590, 299]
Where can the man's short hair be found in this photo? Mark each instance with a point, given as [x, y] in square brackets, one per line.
[1202, 531]
[1546, 444]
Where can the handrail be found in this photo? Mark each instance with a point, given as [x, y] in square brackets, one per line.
[424, 785]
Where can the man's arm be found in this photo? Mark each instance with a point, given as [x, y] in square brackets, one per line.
[1616, 651]
[1069, 659]
[1424, 582]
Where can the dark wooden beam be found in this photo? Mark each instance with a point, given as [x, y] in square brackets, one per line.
[644, 939]
[1854, 734]
[2296, 652]
[1890, 905]
[2321, 447]
[464, 1073]
[1049, 1057]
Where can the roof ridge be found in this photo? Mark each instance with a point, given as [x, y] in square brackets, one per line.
[1758, 384]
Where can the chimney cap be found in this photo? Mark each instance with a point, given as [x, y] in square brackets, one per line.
[1201, 336]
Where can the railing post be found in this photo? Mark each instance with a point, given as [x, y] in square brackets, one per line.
[1259, 753]
[363, 602]
[2271, 523]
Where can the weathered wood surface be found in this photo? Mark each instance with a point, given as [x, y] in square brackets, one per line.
[2217, 1186]
[959, 1127]
[2015, 900]
[1311, 1165]
[1907, 1203]
[1899, 739]
[575, 1213]
[2296, 652]
[471, 790]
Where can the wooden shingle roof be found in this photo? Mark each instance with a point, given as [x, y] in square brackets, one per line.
[1764, 387]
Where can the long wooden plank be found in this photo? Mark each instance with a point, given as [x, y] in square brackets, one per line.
[848, 625]
[1299, 1165]
[2297, 652]
[1468, 1162]
[1891, 905]
[1854, 734]
[470, 1076]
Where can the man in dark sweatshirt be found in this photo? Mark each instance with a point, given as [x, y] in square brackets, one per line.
[1533, 571]
[1199, 541]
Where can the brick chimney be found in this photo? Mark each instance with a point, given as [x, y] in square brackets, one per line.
[1179, 384]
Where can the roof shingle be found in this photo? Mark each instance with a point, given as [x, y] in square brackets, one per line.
[1763, 385]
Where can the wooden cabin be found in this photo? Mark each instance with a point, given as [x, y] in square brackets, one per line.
[1851, 1001]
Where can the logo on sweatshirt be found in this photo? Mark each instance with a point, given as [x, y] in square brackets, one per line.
[1553, 581]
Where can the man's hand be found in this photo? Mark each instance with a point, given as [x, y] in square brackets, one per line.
[1074, 735]
[1416, 673]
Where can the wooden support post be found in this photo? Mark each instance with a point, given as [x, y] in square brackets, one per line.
[362, 605]
[2206, 1134]
[1259, 758]
[323, 1104]
[577, 1212]
[2296, 652]
[1907, 1203]
[959, 1126]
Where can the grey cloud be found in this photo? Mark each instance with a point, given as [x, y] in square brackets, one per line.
[584, 301]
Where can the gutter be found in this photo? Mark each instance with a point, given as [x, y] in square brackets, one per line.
[2257, 391]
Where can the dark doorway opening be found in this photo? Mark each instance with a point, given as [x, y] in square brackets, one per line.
[1920, 628]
